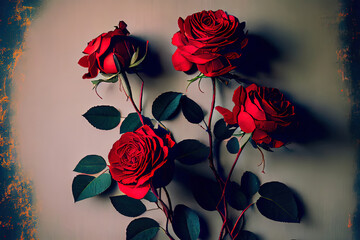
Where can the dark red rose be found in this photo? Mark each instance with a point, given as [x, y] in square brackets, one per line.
[260, 110]
[135, 157]
[101, 50]
[210, 40]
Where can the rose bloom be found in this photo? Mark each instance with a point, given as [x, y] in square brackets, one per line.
[135, 157]
[260, 110]
[101, 50]
[211, 41]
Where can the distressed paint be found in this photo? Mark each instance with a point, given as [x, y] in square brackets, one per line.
[17, 216]
[349, 71]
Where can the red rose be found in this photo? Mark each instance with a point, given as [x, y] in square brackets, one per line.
[135, 157]
[101, 50]
[210, 40]
[260, 110]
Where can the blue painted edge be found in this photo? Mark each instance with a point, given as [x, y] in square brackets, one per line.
[349, 32]
[17, 218]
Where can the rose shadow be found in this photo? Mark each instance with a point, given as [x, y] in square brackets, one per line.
[257, 57]
[309, 129]
[151, 66]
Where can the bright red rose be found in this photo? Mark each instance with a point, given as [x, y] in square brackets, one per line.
[260, 110]
[135, 157]
[210, 40]
[101, 50]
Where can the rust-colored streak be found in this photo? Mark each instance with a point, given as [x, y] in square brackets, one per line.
[349, 222]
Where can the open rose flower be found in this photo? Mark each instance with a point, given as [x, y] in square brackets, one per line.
[100, 52]
[135, 158]
[212, 41]
[260, 110]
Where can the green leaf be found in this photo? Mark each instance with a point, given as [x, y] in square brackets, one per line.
[233, 145]
[222, 130]
[108, 77]
[150, 197]
[235, 197]
[142, 59]
[250, 184]
[85, 186]
[103, 117]
[112, 79]
[166, 105]
[190, 152]
[277, 203]
[246, 235]
[125, 84]
[128, 206]
[186, 223]
[142, 229]
[134, 56]
[117, 64]
[206, 192]
[191, 110]
[132, 122]
[91, 164]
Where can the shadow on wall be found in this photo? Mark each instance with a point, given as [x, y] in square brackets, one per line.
[258, 56]
[151, 66]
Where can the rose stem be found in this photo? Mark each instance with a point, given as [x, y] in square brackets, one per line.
[230, 173]
[165, 209]
[141, 91]
[211, 155]
[170, 206]
[132, 100]
[142, 85]
[167, 233]
[168, 197]
[263, 160]
[237, 221]
[222, 198]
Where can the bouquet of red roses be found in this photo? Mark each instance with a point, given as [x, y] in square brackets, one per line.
[142, 161]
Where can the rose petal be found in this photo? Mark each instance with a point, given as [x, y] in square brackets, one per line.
[259, 134]
[214, 68]
[180, 62]
[181, 24]
[109, 65]
[252, 106]
[84, 61]
[252, 87]
[93, 45]
[105, 43]
[246, 122]
[227, 114]
[134, 192]
[93, 69]
[239, 96]
[176, 40]
[267, 126]
[277, 143]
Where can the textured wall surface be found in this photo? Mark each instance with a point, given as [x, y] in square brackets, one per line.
[299, 51]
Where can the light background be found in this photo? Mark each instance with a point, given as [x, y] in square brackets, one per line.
[49, 98]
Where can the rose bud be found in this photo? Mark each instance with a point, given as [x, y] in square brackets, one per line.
[101, 51]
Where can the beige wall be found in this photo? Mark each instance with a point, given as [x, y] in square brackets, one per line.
[50, 98]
